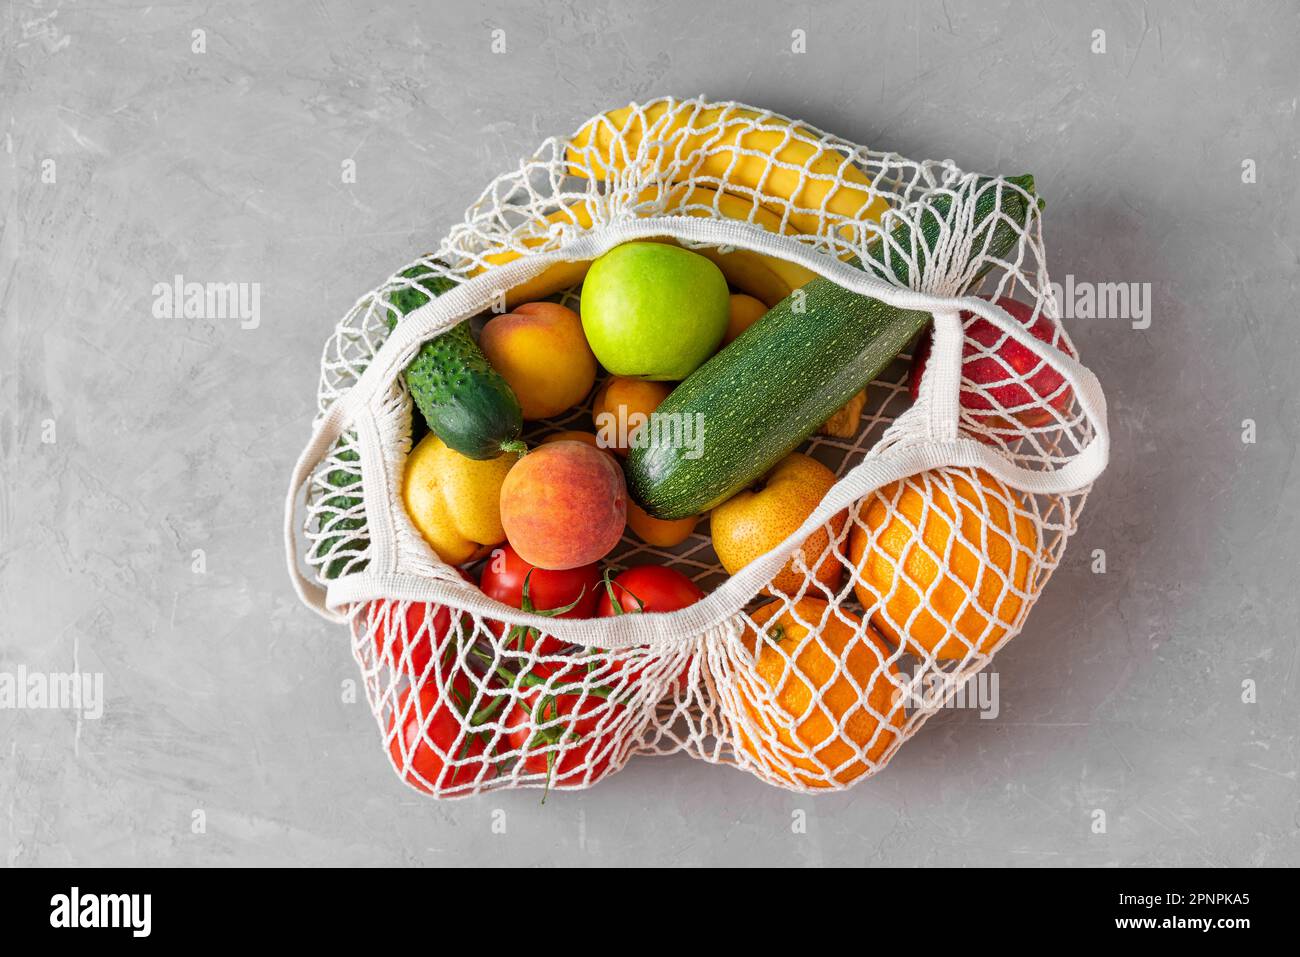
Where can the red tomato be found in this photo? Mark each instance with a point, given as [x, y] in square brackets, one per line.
[504, 577]
[649, 588]
[569, 750]
[1008, 375]
[646, 588]
[411, 627]
[505, 572]
[430, 725]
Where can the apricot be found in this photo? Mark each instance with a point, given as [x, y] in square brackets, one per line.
[622, 407]
[540, 349]
[661, 532]
[564, 505]
[743, 312]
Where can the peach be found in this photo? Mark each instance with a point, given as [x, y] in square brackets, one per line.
[564, 505]
[661, 532]
[540, 349]
[622, 406]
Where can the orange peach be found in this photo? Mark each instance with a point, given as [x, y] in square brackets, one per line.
[541, 351]
[564, 505]
[622, 406]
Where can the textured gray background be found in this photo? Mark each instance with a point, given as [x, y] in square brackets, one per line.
[1123, 693]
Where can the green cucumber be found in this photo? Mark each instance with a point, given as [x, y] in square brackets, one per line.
[338, 524]
[765, 393]
[466, 402]
[460, 396]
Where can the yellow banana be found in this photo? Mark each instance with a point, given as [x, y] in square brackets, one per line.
[558, 276]
[767, 278]
[776, 159]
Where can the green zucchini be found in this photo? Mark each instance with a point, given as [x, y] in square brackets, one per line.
[466, 403]
[761, 396]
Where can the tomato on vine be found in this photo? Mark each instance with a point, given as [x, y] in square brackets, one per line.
[563, 729]
[437, 741]
[570, 593]
[647, 588]
[419, 628]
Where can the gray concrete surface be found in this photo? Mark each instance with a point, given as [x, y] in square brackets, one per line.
[128, 441]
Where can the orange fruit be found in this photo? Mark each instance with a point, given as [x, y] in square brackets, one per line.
[756, 520]
[661, 532]
[743, 312]
[573, 435]
[810, 702]
[965, 572]
[622, 407]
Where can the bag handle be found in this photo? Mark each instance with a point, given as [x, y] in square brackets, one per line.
[326, 431]
[941, 393]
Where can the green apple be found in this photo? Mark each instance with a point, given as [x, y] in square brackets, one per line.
[654, 310]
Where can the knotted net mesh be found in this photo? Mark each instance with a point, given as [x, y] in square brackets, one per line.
[951, 511]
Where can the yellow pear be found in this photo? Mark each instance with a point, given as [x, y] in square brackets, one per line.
[754, 521]
[454, 500]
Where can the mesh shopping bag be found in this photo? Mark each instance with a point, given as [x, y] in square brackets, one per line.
[811, 665]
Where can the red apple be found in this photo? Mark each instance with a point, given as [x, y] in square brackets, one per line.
[1007, 375]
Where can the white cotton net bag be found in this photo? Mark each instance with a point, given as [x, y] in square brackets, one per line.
[813, 664]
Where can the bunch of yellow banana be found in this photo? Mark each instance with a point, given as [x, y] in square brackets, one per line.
[768, 279]
[752, 153]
